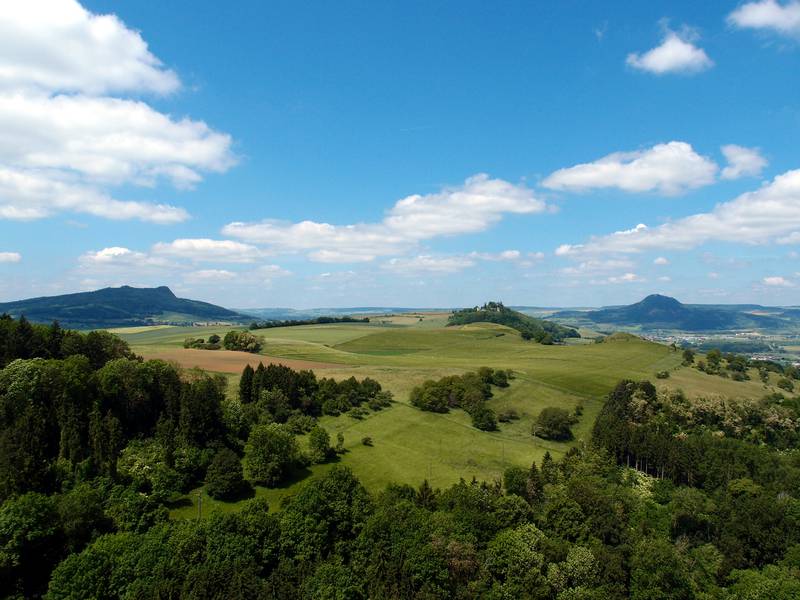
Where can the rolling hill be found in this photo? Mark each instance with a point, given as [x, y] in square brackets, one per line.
[119, 307]
[662, 312]
[529, 327]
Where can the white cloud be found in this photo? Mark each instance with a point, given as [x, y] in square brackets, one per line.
[10, 257]
[676, 54]
[116, 256]
[665, 278]
[777, 281]
[713, 275]
[28, 195]
[107, 140]
[116, 264]
[626, 278]
[768, 214]
[268, 272]
[505, 255]
[742, 162]
[63, 144]
[661, 261]
[595, 266]
[670, 168]
[203, 249]
[781, 18]
[209, 276]
[57, 45]
[428, 264]
[792, 238]
[618, 279]
[472, 207]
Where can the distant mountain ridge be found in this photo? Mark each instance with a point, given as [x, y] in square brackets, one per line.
[119, 307]
[663, 312]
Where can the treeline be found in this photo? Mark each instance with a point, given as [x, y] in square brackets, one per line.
[744, 494]
[98, 445]
[736, 367]
[285, 393]
[469, 392]
[576, 529]
[315, 321]
[241, 341]
[22, 339]
[538, 330]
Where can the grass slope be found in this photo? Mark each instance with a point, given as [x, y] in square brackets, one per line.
[410, 444]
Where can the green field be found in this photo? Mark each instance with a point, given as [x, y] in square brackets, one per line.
[403, 352]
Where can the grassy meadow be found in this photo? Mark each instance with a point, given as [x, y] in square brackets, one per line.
[402, 351]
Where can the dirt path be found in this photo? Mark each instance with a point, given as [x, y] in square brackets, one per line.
[226, 361]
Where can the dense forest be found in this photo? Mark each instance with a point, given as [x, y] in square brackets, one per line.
[669, 498]
[313, 321]
[530, 328]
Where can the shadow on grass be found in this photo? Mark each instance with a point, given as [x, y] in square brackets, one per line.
[245, 492]
[181, 502]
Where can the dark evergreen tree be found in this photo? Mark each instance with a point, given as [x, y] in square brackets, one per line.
[246, 385]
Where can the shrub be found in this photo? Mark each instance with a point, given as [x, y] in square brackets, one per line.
[357, 413]
[243, 341]
[662, 375]
[786, 384]
[508, 415]
[381, 400]
[319, 445]
[271, 451]
[299, 423]
[484, 418]
[224, 479]
[367, 441]
[554, 424]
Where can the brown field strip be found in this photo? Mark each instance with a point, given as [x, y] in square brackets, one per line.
[226, 361]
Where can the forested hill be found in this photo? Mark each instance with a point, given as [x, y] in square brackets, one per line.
[118, 307]
[544, 332]
[662, 312]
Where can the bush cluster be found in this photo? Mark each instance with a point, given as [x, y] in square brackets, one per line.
[469, 392]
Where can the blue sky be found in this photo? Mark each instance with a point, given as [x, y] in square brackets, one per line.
[402, 153]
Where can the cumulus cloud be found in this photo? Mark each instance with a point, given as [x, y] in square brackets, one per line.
[742, 162]
[669, 169]
[676, 54]
[661, 261]
[626, 278]
[777, 281]
[207, 250]
[428, 264]
[116, 256]
[65, 142]
[58, 45]
[769, 15]
[766, 215]
[175, 262]
[618, 279]
[27, 195]
[505, 255]
[472, 207]
[10, 257]
[209, 276]
[594, 267]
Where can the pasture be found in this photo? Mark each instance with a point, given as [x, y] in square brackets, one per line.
[403, 351]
